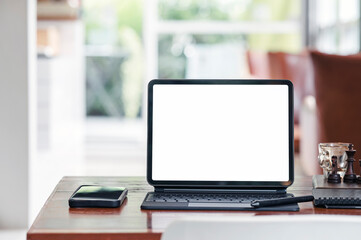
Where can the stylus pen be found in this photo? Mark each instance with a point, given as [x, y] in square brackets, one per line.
[281, 201]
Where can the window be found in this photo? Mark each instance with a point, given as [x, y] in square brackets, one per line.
[114, 58]
[208, 39]
[335, 26]
[179, 39]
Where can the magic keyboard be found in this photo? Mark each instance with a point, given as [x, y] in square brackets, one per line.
[211, 197]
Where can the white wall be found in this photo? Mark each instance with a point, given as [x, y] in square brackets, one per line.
[17, 59]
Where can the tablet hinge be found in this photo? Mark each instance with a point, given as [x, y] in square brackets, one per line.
[197, 190]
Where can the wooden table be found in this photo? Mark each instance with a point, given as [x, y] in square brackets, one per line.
[57, 221]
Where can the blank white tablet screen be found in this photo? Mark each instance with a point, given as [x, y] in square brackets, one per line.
[220, 132]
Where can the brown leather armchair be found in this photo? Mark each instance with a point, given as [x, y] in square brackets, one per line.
[337, 82]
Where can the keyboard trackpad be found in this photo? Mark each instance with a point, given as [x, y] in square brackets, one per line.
[220, 205]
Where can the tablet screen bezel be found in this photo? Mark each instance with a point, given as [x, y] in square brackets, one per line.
[220, 184]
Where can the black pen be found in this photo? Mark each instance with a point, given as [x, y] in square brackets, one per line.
[281, 201]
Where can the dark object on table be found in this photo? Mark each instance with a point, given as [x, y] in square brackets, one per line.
[190, 182]
[328, 195]
[98, 196]
[350, 176]
[214, 201]
[281, 201]
[222, 201]
[334, 177]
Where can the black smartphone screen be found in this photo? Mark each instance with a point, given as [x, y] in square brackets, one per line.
[99, 192]
[98, 196]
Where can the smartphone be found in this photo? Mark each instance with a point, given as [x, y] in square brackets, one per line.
[97, 196]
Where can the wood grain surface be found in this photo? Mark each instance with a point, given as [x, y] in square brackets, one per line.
[57, 221]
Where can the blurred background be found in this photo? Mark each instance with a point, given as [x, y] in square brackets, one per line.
[95, 58]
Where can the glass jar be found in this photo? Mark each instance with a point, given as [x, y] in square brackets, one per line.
[325, 153]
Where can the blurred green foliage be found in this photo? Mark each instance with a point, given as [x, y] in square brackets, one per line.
[230, 10]
[132, 71]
